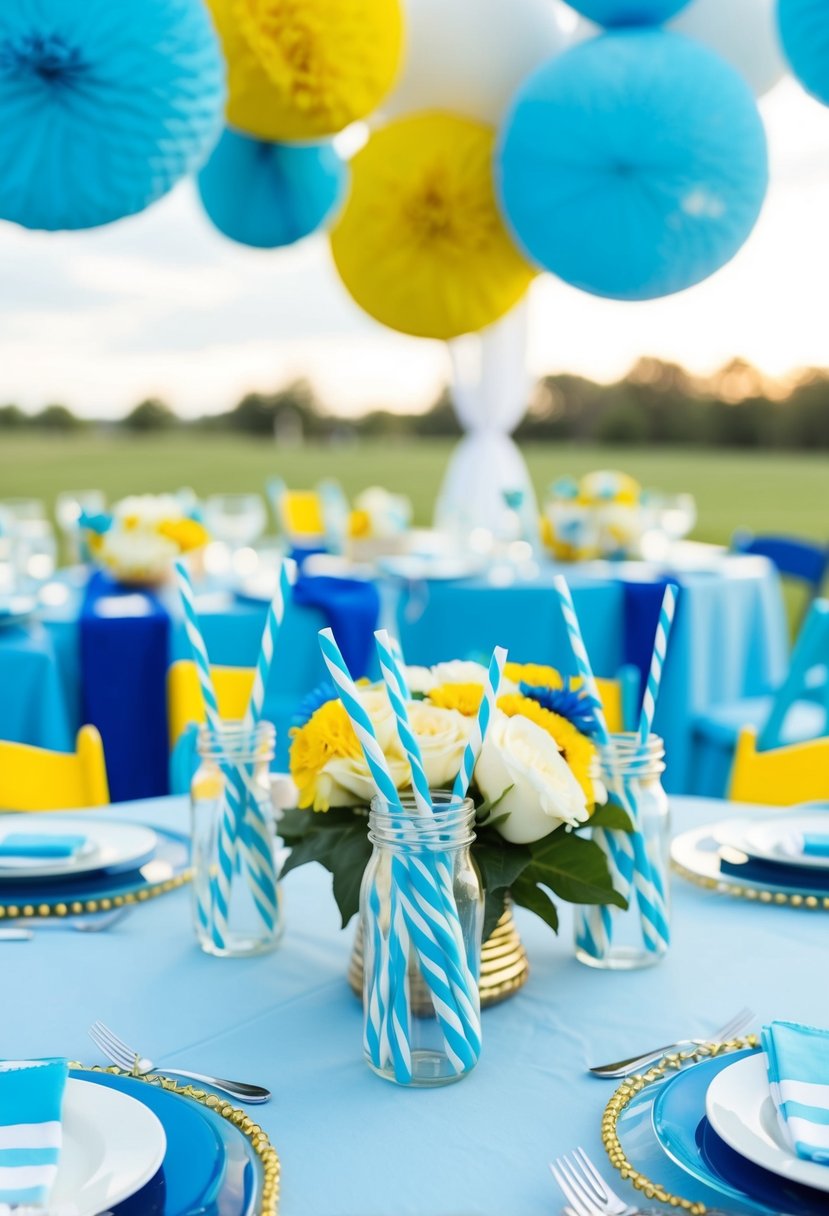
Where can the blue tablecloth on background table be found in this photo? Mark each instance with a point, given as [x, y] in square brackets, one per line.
[33, 702]
[730, 638]
[124, 638]
[353, 1145]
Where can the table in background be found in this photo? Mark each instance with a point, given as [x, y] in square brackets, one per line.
[730, 638]
[353, 1145]
[33, 703]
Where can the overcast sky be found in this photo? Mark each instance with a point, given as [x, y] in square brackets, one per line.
[162, 305]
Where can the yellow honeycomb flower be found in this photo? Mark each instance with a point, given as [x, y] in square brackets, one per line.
[575, 747]
[327, 735]
[465, 698]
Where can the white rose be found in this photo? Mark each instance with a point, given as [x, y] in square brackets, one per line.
[420, 679]
[460, 671]
[389, 514]
[347, 782]
[442, 735]
[376, 702]
[150, 509]
[519, 754]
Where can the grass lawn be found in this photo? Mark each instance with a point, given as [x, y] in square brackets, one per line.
[761, 491]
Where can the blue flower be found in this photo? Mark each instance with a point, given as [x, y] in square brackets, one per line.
[570, 703]
[309, 704]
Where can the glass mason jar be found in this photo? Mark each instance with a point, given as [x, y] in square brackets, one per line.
[609, 937]
[421, 912]
[236, 896]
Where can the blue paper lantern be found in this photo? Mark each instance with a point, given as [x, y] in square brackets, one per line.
[628, 12]
[804, 32]
[103, 106]
[634, 165]
[266, 194]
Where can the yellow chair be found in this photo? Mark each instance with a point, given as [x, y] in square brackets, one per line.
[782, 776]
[35, 779]
[185, 703]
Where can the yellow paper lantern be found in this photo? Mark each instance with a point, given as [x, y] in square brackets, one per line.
[420, 244]
[308, 67]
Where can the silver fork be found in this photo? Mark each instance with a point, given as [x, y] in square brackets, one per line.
[623, 1068]
[117, 1050]
[588, 1194]
[24, 929]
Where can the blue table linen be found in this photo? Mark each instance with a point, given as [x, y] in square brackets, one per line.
[124, 658]
[31, 1095]
[798, 1069]
[24, 844]
[352, 608]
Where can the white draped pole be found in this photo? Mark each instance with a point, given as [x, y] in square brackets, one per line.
[490, 390]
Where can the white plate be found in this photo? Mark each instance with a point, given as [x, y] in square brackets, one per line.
[125, 845]
[766, 841]
[16, 608]
[112, 1146]
[740, 1110]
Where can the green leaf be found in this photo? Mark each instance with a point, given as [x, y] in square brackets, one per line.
[528, 895]
[609, 816]
[344, 851]
[575, 869]
[494, 903]
[295, 824]
[484, 810]
[500, 863]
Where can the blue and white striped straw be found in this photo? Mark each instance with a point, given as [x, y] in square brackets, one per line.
[622, 849]
[481, 725]
[215, 919]
[391, 677]
[660, 649]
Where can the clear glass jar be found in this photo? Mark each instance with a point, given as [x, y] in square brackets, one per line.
[236, 896]
[421, 913]
[613, 938]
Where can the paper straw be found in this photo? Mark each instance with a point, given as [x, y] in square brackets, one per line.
[654, 922]
[390, 672]
[397, 651]
[479, 729]
[217, 918]
[660, 648]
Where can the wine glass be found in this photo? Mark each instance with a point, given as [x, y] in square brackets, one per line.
[69, 506]
[237, 519]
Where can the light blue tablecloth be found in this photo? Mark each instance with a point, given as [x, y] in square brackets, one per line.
[352, 1145]
[33, 702]
[730, 638]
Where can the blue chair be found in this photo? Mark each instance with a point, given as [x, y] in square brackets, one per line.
[796, 712]
[802, 561]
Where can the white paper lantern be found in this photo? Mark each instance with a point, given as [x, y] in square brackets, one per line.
[469, 56]
[743, 31]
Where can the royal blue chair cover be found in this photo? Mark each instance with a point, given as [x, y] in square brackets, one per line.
[124, 660]
[352, 608]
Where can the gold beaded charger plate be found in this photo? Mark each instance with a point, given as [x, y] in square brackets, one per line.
[167, 869]
[657, 1135]
[217, 1158]
[701, 857]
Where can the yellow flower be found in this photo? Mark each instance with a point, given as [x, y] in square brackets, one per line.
[359, 524]
[465, 698]
[539, 675]
[186, 533]
[327, 735]
[575, 747]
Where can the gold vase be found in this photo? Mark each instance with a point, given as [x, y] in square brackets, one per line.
[504, 966]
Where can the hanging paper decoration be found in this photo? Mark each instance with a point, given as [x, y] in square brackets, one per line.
[267, 195]
[253, 103]
[628, 12]
[101, 112]
[634, 165]
[743, 31]
[804, 30]
[330, 62]
[420, 244]
[469, 56]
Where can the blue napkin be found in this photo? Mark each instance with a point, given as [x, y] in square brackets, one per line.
[31, 1095]
[22, 844]
[798, 1068]
[352, 608]
[816, 844]
[776, 873]
[124, 661]
[642, 605]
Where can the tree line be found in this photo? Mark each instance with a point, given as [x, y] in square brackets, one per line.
[655, 403]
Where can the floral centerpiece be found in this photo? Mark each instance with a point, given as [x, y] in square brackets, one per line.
[378, 524]
[604, 514]
[535, 785]
[140, 540]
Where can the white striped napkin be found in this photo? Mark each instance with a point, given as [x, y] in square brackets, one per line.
[798, 1069]
[31, 1094]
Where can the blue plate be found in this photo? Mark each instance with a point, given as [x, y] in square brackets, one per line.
[683, 1131]
[209, 1168]
[170, 858]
